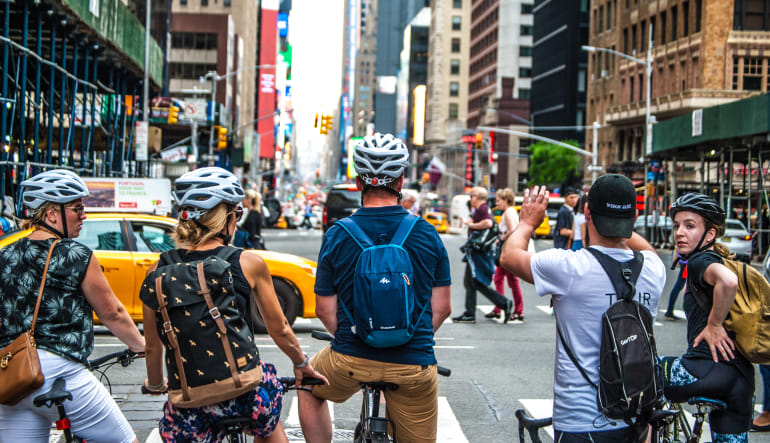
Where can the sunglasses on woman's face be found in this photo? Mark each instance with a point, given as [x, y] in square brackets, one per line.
[78, 209]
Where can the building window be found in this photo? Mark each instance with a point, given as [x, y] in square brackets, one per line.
[752, 74]
[526, 8]
[453, 110]
[454, 67]
[457, 4]
[609, 16]
[525, 72]
[204, 2]
[525, 93]
[525, 51]
[674, 17]
[601, 19]
[454, 89]
[526, 29]
[698, 6]
[182, 2]
[579, 119]
[751, 15]
[189, 71]
[663, 28]
[456, 21]
[455, 45]
[193, 40]
[631, 89]
[581, 86]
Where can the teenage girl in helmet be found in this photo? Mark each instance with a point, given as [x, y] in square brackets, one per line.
[75, 287]
[207, 201]
[711, 367]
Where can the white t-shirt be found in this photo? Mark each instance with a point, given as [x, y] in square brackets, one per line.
[582, 291]
[579, 220]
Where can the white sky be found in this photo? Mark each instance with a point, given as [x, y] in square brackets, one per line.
[315, 33]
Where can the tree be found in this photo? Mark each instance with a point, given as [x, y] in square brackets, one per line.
[553, 164]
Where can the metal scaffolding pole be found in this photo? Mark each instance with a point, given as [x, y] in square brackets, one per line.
[3, 108]
[62, 94]
[38, 93]
[51, 88]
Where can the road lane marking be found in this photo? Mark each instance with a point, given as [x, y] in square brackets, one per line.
[539, 408]
[449, 429]
[154, 437]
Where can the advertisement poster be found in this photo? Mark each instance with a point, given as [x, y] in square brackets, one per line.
[147, 196]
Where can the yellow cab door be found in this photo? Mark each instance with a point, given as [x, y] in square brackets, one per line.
[150, 238]
[105, 237]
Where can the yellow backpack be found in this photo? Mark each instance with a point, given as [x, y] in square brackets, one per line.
[749, 315]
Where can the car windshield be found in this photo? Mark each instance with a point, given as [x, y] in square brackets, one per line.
[734, 225]
[344, 198]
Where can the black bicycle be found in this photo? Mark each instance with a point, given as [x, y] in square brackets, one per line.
[59, 394]
[233, 428]
[371, 427]
[667, 425]
[670, 424]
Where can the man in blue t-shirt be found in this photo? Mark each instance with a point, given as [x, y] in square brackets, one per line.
[563, 229]
[380, 161]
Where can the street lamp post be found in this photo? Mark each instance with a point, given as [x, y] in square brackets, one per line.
[647, 121]
[214, 77]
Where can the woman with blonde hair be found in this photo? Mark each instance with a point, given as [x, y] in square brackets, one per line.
[208, 206]
[504, 199]
[249, 230]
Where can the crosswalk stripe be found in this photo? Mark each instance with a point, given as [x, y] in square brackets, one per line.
[545, 308]
[539, 408]
[449, 429]
[154, 437]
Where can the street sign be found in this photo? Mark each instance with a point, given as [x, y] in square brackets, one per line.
[597, 168]
[140, 136]
[195, 109]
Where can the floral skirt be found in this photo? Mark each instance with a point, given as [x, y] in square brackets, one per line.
[263, 405]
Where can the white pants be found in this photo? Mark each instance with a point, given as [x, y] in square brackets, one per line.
[93, 413]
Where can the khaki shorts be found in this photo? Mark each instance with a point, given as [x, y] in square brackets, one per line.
[413, 407]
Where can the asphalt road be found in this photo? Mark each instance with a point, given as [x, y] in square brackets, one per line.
[496, 368]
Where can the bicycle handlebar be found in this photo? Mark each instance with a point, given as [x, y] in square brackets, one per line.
[124, 357]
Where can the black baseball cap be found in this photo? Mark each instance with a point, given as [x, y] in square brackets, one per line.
[570, 191]
[612, 202]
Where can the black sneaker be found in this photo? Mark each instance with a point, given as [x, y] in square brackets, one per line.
[465, 318]
[671, 316]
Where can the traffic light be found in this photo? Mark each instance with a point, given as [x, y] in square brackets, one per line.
[221, 138]
[327, 122]
[479, 139]
[173, 114]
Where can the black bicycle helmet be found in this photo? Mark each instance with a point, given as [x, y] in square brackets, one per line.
[700, 204]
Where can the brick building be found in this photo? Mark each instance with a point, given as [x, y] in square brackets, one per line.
[704, 53]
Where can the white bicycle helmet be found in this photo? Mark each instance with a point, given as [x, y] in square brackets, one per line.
[205, 188]
[380, 159]
[57, 186]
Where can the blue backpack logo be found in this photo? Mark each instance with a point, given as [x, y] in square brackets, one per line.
[383, 295]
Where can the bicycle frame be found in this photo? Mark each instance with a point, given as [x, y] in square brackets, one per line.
[372, 427]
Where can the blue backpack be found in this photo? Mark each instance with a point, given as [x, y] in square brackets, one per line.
[383, 294]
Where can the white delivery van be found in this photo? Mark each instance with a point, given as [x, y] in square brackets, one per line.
[457, 212]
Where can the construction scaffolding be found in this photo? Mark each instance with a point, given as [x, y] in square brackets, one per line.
[70, 84]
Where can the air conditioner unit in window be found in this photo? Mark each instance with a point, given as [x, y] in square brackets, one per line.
[605, 73]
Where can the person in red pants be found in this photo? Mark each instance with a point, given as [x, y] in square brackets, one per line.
[508, 221]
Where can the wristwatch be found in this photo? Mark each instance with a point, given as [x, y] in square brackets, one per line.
[304, 363]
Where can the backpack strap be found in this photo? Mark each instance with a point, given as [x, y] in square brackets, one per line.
[404, 229]
[168, 331]
[623, 275]
[573, 358]
[227, 252]
[170, 257]
[214, 312]
[355, 232]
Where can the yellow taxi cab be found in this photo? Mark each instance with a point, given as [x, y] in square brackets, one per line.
[128, 244]
[544, 230]
[438, 220]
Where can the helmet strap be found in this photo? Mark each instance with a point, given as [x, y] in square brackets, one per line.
[699, 248]
[64, 219]
[48, 228]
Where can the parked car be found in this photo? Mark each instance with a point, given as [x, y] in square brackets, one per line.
[665, 224]
[128, 244]
[341, 201]
[438, 220]
[738, 239]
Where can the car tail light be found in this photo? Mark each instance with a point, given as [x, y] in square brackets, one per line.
[325, 215]
[747, 237]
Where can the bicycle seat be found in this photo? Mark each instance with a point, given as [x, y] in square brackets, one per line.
[714, 404]
[527, 421]
[381, 385]
[662, 416]
[230, 424]
[55, 396]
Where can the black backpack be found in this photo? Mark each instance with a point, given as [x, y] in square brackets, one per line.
[210, 351]
[629, 381]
